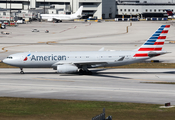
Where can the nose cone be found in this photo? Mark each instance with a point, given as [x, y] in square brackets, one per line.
[12, 60]
[5, 61]
[9, 61]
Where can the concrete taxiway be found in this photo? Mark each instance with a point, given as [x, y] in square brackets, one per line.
[81, 36]
[120, 85]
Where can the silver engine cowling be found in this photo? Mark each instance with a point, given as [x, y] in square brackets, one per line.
[67, 68]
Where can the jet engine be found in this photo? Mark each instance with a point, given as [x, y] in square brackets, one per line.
[50, 19]
[67, 68]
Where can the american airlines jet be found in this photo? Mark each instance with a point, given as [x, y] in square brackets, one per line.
[71, 62]
[59, 18]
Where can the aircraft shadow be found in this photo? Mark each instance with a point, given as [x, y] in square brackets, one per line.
[109, 74]
[95, 73]
[169, 72]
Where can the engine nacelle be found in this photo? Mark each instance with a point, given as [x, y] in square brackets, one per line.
[67, 68]
[50, 19]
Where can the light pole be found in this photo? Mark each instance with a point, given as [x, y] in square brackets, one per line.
[28, 4]
[44, 6]
[10, 10]
[72, 7]
[6, 4]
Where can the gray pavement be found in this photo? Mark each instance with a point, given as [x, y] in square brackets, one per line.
[76, 36]
[120, 85]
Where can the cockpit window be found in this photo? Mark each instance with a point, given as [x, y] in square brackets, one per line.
[10, 57]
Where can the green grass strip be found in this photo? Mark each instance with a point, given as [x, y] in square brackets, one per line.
[47, 109]
[3, 65]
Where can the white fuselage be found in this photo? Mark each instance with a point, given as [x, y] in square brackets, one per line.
[69, 62]
[90, 59]
[50, 17]
[60, 17]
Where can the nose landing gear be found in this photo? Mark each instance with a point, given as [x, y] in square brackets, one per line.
[22, 72]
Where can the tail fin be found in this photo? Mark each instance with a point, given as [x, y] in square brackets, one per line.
[169, 12]
[154, 44]
[79, 11]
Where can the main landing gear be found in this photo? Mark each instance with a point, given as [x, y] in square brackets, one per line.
[22, 72]
[84, 71]
[57, 21]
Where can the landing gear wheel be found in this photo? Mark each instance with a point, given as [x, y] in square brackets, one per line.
[81, 72]
[89, 72]
[22, 72]
[85, 72]
[55, 21]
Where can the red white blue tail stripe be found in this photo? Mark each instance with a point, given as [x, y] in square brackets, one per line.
[154, 43]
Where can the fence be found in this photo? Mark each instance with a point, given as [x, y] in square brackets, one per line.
[102, 116]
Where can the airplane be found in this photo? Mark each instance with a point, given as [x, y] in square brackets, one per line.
[59, 17]
[80, 61]
[170, 13]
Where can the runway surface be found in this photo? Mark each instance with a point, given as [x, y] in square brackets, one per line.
[120, 85]
[81, 36]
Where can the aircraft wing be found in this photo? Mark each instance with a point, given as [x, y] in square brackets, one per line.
[89, 63]
[80, 63]
[55, 18]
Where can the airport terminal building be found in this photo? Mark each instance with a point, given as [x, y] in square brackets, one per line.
[101, 9]
[144, 8]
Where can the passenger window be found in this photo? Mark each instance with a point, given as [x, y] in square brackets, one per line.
[10, 57]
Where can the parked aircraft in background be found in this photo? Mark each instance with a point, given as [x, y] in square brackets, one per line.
[60, 17]
[71, 62]
[170, 13]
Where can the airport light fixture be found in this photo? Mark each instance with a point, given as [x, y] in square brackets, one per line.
[10, 10]
[6, 4]
[28, 4]
[44, 6]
